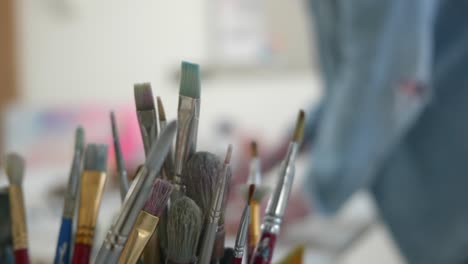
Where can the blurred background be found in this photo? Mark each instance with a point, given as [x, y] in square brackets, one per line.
[69, 62]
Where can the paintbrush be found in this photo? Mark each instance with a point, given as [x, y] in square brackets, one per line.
[214, 215]
[278, 201]
[121, 171]
[255, 177]
[146, 222]
[146, 113]
[62, 255]
[15, 172]
[93, 180]
[168, 169]
[187, 117]
[218, 250]
[137, 194]
[241, 237]
[183, 231]
[168, 173]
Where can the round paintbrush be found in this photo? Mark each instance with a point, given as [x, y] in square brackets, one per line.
[201, 174]
[15, 172]
[183, 231]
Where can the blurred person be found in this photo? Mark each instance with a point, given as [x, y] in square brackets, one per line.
[393, 120]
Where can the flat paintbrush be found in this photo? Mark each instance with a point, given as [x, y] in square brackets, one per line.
[119, 161]
[183, 231]
[146, 222]
[62, 255]
[146, 113]
[214, 215]
[241, 237]
[187, 116]
[93, 180]
[137, 195]
[15, 172]
[279, 199]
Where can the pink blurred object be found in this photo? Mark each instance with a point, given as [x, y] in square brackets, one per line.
[44, 135]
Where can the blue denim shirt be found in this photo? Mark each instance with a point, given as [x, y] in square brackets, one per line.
[393, 119]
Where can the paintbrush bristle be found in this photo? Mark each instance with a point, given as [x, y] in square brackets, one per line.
[115, 132]
[158, 198]
[227, 159]
[190, 80]
[96, 157]
[79, 139]
[201, 175]
[300, 125]
[14, 165]
[184, 226]
[143, 96]
[161, 112]
[254, 149]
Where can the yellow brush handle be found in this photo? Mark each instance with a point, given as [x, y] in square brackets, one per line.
[18, 217]
[254, 225]
[139, 236]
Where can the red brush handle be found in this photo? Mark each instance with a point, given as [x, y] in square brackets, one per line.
[21, 256]
[237, 261]
[82, 254]
[264, 252]
[250, 252]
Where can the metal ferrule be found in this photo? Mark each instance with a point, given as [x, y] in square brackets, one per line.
[279, 199]
[148, 128]
[18, 218]
[187, 116]
[141, 233]
[92, 187]
[255, 176]
[73, 182]
[242, 233]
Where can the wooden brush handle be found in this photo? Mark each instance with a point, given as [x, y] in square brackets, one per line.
[82, 254]
[264, 251]
[21, 256]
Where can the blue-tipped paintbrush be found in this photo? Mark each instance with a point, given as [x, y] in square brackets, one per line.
[62, 254]
[187, 118]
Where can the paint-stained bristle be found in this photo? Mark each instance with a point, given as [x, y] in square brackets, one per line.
[200, 176]
[96, 157]
[227, 160]
[184, 225]
[254, 149]
[143, 96]
[79, 139]
[299, 131]
[158, 198]
[190, 80]
[251, 192]
[14, 165]
[161, 112]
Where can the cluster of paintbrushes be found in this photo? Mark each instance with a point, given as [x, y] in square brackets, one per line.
[173, 210]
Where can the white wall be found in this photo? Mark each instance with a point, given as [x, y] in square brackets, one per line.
[96, 50]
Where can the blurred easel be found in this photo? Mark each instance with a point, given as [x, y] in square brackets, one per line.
[8, 81]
